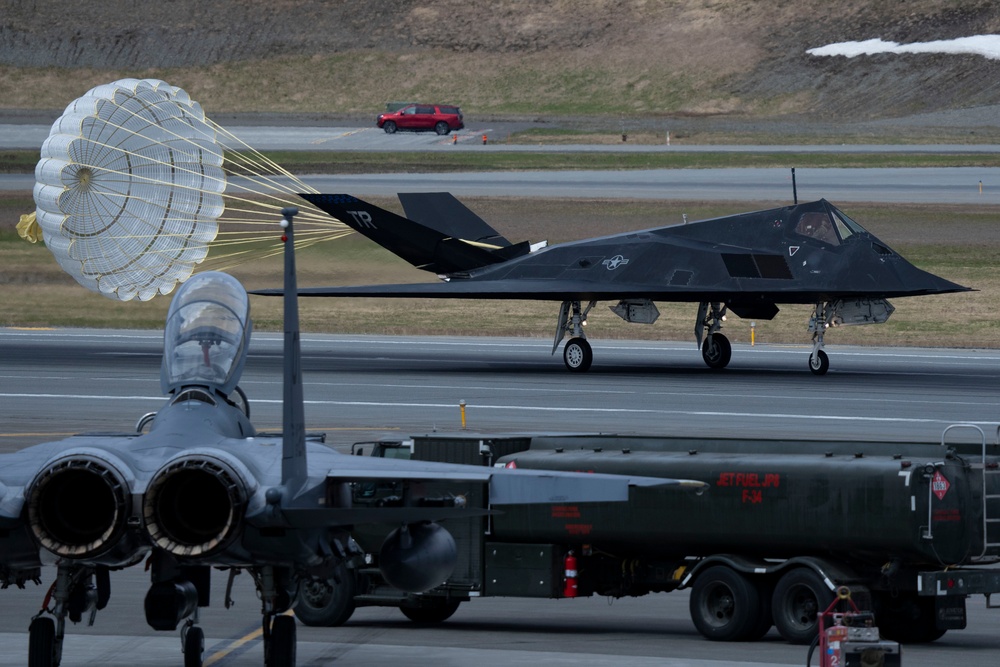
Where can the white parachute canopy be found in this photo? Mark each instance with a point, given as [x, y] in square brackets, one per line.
[129, 188]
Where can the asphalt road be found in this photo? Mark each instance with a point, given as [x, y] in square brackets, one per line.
[57, 382]
[957, 185]
[367, 137]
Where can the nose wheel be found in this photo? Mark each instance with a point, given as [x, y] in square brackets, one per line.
[819, 363]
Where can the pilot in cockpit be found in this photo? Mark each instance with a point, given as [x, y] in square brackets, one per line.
[207, 334]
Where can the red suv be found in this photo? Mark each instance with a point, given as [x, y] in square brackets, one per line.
[442, 118]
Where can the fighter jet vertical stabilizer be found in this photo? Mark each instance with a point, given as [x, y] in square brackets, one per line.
[201, 490]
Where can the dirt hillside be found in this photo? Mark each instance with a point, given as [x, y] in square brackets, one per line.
[683, 57]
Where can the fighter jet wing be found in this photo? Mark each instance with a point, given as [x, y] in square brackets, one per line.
[539, 290]
[506, 486]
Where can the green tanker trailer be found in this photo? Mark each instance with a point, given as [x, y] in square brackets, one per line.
[782, 524]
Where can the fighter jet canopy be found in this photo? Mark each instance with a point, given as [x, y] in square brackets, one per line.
[207, 334]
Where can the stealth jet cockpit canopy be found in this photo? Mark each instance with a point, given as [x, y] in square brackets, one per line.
[207, 334]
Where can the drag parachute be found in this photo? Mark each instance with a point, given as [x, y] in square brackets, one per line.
[135, 182]
[129, 188]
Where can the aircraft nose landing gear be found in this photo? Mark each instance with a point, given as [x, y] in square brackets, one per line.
[715, 347]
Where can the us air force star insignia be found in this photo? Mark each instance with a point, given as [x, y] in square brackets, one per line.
[792, 249]
[614, 262]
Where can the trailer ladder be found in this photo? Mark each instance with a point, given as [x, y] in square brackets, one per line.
[990, 493]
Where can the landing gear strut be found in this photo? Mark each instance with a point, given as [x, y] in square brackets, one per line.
[278, 628]
[715, 347]
[71, 595]
[819, 362]
[577, 355]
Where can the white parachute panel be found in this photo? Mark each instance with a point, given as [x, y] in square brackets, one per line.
[129, 188]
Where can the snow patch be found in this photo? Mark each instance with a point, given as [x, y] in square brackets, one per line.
[987, 46]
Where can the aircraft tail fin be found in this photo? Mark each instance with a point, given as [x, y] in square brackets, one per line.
[441, 211]
[294, 468]
[426, 247]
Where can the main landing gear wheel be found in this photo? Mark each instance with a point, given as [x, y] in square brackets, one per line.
[578, 355]
[281, 651]
[41, 643]
[716, 351]
[194, 646]
[819, 363]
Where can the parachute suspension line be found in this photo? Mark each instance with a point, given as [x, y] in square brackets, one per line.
[255, 157]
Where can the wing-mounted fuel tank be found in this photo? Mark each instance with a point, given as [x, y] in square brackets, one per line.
[922, 503]
[80, 506]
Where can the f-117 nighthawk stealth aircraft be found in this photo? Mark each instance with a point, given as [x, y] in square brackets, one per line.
[201, 489]
[747, 264]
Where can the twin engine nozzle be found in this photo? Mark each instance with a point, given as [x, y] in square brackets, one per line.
[80, 506]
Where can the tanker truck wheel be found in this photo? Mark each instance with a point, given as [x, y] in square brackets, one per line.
[725, 605]
[326, 603]
[906, 618]
[436, 611]
[799, 597]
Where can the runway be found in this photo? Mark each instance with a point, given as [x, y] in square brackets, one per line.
[57, 382]
[62, 381]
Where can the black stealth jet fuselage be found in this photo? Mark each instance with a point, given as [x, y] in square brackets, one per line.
[810, 253]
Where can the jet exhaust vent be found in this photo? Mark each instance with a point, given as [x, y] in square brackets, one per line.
[193, 507]
[78, 507]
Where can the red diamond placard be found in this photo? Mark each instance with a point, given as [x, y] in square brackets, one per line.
[939, 485]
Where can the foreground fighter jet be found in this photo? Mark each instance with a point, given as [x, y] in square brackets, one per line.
[202, 489]
[809, 253]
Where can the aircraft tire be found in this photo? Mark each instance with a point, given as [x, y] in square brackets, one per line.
[438, 612]
[41, 643]
[326, 603]
[716, 351]
[442, 128]
[819, 362]
[389, 127]
[281, 653]
[194, 646]
[725, 605]
[799, 597]
[578, 355]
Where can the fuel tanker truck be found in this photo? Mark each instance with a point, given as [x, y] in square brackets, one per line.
[909, 528]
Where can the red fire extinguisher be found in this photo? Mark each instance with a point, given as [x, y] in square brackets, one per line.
[569, 565]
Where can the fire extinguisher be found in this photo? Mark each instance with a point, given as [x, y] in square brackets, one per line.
[569, 565]
[833, 655]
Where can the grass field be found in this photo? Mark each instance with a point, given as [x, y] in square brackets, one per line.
[956, 243]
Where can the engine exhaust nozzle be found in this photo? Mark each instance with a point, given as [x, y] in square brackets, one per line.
[78, 507]
[194, 507]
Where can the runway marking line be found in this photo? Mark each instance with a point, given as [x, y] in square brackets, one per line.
[237, 644]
